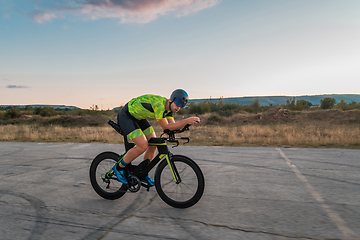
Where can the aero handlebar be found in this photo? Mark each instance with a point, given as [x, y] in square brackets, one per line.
[171, 135]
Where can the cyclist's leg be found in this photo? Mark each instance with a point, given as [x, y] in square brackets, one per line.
[151, 151]
[132, 130]
[149, 132]
[140, 147]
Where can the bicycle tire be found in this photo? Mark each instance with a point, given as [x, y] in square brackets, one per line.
[186, 193]
[100, 166]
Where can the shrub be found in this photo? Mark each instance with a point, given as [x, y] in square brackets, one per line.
[248, 109]
[255, 105]
[13, 112]
[200, 108]
[299, 106]
[302, 105]
[228, 109]
[343, 105]
[45, 111]
[290, 103]
[214, 118]
[226, 112]
[327, 103]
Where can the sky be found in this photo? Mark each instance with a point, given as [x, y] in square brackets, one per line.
[106, 52]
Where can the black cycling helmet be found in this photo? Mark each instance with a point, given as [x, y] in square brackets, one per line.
[179, 97]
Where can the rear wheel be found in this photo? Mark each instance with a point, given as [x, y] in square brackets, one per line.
[104, 184]
[185, 193]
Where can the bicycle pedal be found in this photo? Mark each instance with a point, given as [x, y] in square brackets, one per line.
[146, 186]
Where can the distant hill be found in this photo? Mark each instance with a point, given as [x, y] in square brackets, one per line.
[274, 100]
[35, 106]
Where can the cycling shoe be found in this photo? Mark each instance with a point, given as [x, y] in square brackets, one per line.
[120, 175]
[148, 181]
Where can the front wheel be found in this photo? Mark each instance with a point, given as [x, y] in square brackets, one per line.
[188, 190]
[103, 179]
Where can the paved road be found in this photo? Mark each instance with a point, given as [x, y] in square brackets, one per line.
[251, 193]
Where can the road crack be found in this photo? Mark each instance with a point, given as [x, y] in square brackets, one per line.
[242, 229]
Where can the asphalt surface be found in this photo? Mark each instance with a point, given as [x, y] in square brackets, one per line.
[251, 193]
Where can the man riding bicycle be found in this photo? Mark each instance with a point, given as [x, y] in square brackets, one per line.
[132, 120]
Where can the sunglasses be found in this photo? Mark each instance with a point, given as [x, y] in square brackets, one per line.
[179, 103]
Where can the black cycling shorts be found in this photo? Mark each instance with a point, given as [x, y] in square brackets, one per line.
[131, 126]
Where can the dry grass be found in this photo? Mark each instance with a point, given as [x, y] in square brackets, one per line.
[33, 133]
[294, 135]
[275, 127]
[285, 134]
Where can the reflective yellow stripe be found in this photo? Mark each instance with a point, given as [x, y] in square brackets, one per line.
[168, 161]
[156, 144]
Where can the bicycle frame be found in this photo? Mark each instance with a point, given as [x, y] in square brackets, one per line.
[163, 152]
[162, 147]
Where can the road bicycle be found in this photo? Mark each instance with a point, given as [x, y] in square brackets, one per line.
[179, 181]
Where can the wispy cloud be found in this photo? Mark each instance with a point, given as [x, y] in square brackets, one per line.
[16, 86]
[41, 16]
[137, 11]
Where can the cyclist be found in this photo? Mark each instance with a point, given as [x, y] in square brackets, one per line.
[132, 120]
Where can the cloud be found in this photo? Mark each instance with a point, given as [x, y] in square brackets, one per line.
[41, 16]
[16, 86]
[137, 11]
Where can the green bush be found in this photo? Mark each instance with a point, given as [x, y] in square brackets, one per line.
[222, 109]
[299, 105]
[343, 105]
[248, 108]
[200, 108]
[45, 111]
[255, 105]
[290, 104]
[302, 105]
[327, 103]
[13, 112]
[214, 118]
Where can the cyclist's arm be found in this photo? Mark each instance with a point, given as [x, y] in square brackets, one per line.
[172, 125]
[171, 120]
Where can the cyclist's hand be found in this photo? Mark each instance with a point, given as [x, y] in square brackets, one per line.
[193, 120]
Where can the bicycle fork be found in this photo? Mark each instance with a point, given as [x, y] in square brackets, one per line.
[172, 167]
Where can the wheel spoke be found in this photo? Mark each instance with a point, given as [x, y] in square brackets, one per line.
[188, 191]
[106, 187]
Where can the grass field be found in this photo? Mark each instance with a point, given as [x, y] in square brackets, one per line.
[277, 127]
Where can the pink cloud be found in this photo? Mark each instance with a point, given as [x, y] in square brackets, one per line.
[138, 11]
[41, 17]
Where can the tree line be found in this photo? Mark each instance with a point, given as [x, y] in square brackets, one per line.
[292, 104]
[223, 109]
